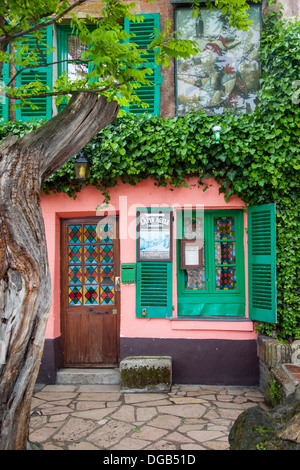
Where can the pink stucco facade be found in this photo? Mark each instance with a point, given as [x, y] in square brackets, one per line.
[124, 201]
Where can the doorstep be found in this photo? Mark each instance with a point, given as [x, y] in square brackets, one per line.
[88, 376]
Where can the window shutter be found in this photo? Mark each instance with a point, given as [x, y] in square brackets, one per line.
[154, 290]
[143, 37]
[4, 100]
[44, 74]
[262, 263]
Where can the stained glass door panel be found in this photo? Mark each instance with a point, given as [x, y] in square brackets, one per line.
[91, 264]
[90, 302]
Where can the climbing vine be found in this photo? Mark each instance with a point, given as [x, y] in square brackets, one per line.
[258, 157]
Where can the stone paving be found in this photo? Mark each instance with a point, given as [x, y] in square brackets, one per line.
[100, 417]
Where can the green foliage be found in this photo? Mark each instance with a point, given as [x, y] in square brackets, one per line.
[235, 10]
[118, 63]
[258, 158]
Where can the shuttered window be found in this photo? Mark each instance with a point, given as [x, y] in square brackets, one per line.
[3, 99]
[217, 288]
[44, 74]
[262, 263]
[143, 37]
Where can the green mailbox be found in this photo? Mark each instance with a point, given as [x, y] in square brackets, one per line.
[128, 272]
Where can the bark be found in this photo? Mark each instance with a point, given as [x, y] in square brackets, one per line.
[25, 286]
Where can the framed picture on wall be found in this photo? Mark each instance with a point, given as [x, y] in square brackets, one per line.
[154, 234]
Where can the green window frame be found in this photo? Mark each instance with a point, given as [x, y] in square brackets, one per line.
[212, 299]
[4, 107]
[63, 34]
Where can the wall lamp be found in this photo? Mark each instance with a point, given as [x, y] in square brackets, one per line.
[81, 166]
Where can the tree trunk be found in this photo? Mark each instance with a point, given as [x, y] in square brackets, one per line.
[25, 286]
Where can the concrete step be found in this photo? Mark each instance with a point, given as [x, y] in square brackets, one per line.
[88, 377]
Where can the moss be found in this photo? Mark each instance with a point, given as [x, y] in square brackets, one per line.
[141, 377]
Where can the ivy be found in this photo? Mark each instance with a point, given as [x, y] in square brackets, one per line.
[258, 158]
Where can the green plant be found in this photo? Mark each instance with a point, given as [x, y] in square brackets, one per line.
[258, 158]
[275, 391]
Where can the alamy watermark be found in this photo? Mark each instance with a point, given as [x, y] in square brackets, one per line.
[128, 215]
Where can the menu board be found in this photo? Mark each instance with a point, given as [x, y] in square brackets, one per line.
[154, 235]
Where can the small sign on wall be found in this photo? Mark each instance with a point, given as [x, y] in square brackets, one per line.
[191, 254]
[154, 232]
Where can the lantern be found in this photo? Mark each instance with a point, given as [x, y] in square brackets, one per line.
[81, 166]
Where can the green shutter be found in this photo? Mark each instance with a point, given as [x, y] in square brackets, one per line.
[154, 290]
[143, 37]
[44, 74]
[154, 282]
[262, 263]
[4, 100]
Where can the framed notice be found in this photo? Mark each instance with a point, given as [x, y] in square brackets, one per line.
[154, 235]
[191, 254]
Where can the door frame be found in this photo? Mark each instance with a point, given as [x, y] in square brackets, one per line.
[64, 285]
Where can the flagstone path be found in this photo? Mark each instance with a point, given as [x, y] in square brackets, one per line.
[100, 417]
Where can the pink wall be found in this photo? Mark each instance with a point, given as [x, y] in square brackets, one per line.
[124, 201]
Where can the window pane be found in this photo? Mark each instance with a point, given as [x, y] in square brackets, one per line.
[106, 274]
[224, 253]
[75, 49]
[193, 227]
[225, 278]
[225, 75]
[75, 275]
[224, 228]
[91, 295]
[90, 274]
[194, 279]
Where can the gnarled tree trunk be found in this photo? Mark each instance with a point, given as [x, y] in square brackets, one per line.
[25, 286]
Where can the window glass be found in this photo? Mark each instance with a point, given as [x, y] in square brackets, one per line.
[75, 50]
[225, 272]
[225, 75]
[193, 227]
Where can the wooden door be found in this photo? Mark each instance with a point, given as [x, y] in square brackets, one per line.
[90, 292]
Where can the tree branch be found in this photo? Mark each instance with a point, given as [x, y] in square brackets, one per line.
[64, 92]
[29, 67]
[42, 25]
[60, 138]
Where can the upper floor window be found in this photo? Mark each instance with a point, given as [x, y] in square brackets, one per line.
[225, 75]
[70, 51]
